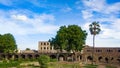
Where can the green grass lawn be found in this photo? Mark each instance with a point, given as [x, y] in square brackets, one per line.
[56, 64]
[109, 66]
[30, 64]
[9, 64]
[90, 66]
[64, 65]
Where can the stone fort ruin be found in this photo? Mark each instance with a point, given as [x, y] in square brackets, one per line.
[101, 54]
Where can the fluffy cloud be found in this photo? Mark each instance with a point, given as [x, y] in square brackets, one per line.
[108, 37]
[87, 14]
[27, 27]
[66, 9]
[20, 17]
[114, 9]
[110, 28]
[6, 2]
[94, 5]
[108, 18]
[101, 6]
[23, 24]
[109, 21]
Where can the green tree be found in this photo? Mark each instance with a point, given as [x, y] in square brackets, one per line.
[76, 38]
[27, 49]
[1, 44]
[94, 30]
[7, 43]
[71, 38]
[43, 61]
[61, 37]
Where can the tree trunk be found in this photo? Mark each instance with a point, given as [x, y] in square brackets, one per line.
[93, 49]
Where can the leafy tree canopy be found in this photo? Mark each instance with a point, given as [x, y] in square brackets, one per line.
[7, 43]
[27, 49]
[70, 38]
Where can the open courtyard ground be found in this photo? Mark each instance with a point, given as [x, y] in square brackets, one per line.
[58, 64]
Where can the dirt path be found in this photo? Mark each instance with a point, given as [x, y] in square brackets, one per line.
[101, 66]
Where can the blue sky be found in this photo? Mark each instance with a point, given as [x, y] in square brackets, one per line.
[31, 21]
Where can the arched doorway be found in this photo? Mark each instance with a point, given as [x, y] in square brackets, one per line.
[9, 56]
[80, 57]
[106, 59]
[29, 56]
[16, 57]
[36, 56]
[89, 58]
[23, 56]
[100, 58]
[112, 58]
[70, 57]
[118, 59]
[61, 58]
[53, 57]
[3, 56]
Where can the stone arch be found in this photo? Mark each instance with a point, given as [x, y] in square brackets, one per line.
[118, 59]
[70, 57]
[3, 56]
[9, 56]
[36, 56]
[106, 59]
[61, 58]
[89, 58]
[16, 56]
[23, 56]
[80, 57]
[29, 56]
[100, 58]
[111, 59]
[53, 56]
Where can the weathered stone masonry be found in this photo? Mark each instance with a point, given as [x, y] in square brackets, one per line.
[101, 54]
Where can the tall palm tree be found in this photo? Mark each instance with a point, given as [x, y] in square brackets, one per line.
[94, 28]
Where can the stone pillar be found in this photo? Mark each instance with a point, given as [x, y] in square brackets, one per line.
[78, 58]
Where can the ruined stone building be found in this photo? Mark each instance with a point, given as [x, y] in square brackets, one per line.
[100, 55]
[45, 47]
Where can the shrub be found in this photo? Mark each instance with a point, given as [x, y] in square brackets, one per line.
[109, 66]
[5, 64]
[90, 66]
[53, 60]
[43, 61]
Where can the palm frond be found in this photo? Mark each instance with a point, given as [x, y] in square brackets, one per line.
[94, 28]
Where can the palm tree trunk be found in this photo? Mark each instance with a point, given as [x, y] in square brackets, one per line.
[93, 49]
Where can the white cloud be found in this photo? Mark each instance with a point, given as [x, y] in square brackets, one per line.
[66, 9]
[114, 8]
[101, 6]
[109, 35]
[95, 5]
[87, 14]
[19, 17]
[24, 24]
[109, 30]
[20, 24]
[116, 23]
[6, 2]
